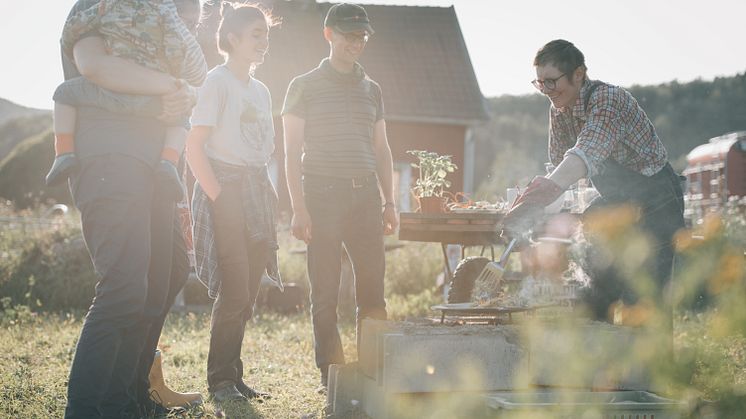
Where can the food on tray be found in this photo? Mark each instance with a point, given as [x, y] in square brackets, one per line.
[477, 206]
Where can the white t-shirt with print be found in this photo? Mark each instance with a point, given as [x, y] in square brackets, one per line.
[240, 115]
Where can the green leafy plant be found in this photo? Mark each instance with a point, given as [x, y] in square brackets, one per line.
[433, 171]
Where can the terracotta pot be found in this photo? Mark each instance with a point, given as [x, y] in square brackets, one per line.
[432, 204]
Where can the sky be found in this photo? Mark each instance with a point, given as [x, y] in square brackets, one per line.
[625, 42]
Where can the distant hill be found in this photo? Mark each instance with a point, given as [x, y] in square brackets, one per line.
[22, 173]
[18, 123]
[10, 110]
[14, 131]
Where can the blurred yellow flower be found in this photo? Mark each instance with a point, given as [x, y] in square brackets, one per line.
[730, 270]
[613, 221]
[635, 315]
[712, 226]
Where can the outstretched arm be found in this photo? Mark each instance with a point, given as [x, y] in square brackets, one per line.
[570, 170]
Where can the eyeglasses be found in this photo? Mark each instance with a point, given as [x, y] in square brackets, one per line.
[548, 84]
[355, 38]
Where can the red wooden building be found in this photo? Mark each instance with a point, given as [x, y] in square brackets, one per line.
[419, 58]
[715, 172]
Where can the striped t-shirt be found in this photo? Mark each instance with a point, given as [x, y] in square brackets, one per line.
[340, 110]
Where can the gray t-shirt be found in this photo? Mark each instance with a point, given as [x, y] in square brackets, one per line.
[101, 132]
[340, 111]
[240, 115]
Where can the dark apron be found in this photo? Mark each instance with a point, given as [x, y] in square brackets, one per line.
[661, 201]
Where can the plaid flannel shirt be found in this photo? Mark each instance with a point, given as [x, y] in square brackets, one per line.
[612, 125]
[259, 206]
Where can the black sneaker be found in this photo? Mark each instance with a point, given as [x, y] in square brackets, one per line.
[63, 166]
[252, 394]
[152, 409]
[227, 394]
[322, 389]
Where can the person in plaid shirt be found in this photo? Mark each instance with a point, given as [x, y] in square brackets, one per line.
[599, 131]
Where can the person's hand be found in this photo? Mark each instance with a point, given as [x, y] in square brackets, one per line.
[179, 102]
[390, 219]
[214, 195]
[301, 224]
[541, 191]
[521, 219]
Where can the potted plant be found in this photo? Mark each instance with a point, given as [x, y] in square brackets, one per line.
[428, 188]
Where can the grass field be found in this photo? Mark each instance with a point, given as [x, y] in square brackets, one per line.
[44, 271]
[36, 352]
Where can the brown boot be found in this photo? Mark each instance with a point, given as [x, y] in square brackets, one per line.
[163, 395]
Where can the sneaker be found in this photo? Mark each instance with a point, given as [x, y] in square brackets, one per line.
[252, 394]
[63, 166]
[322, 389]
[168, 178]
[228, 393]
[152, 409]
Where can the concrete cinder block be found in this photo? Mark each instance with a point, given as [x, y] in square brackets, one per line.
[344, 391]
[374, 398]
[377, 403]
[448, 359]
[370, 352]
[593, 356]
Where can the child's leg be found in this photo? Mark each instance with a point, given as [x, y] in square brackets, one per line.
[65, 162]
[64, 128]
[80, 91]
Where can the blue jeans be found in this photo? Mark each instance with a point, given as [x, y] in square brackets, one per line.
[344, 212]
[124, 224]
[241, 263]
[179, 274]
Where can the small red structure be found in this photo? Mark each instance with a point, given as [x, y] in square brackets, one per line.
[715, 172]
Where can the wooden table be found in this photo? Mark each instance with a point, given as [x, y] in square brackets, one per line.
[464, 229]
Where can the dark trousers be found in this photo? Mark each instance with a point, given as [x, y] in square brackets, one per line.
[241, 263]
[661, 203]
[123, 220]
[346, 214]
[179, 274]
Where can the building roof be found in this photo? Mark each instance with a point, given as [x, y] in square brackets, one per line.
[417, 55]
[716, 148]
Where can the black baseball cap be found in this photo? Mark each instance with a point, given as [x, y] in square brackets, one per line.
[348, 17]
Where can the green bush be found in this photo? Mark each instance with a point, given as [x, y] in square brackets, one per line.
[22, 174]
[413, 268]
[46, 266]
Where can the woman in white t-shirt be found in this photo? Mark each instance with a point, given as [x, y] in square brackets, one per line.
[234, 202]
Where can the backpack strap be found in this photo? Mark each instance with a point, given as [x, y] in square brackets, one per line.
[587, 97]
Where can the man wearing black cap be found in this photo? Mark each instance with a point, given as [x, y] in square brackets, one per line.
[337, 157]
